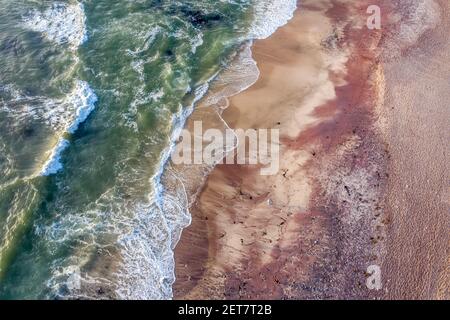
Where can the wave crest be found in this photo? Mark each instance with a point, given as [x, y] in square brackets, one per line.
[61, 23]
[270, 15]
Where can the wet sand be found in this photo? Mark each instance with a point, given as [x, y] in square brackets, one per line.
[311, 230]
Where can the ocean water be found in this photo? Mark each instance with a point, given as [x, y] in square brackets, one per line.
[92, 95]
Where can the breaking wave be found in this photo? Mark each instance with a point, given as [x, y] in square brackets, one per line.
[76, 108]
[270, 15]
[61, 23]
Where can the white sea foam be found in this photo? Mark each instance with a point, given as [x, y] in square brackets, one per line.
[53, 164]
[196, 42]
[83, 100]
[61, 23]
[77, 107]
[270, 15]
[238, 76]
[149, 37]
[57, 114]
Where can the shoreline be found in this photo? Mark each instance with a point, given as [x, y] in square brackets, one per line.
[312, 230]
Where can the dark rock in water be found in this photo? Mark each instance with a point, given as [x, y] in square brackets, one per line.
[169, 53]
[27, 132]
[205, 20]
[214, 18]
[198, 18]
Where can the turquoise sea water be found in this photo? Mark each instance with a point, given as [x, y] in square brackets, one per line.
[90, 94]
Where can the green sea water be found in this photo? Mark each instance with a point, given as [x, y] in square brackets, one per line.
[90, 94]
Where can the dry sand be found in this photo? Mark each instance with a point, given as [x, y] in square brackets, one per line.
[417, 123]
[356, 128]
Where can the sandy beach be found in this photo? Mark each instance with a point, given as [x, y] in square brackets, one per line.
[417, 122]
[363, 177]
